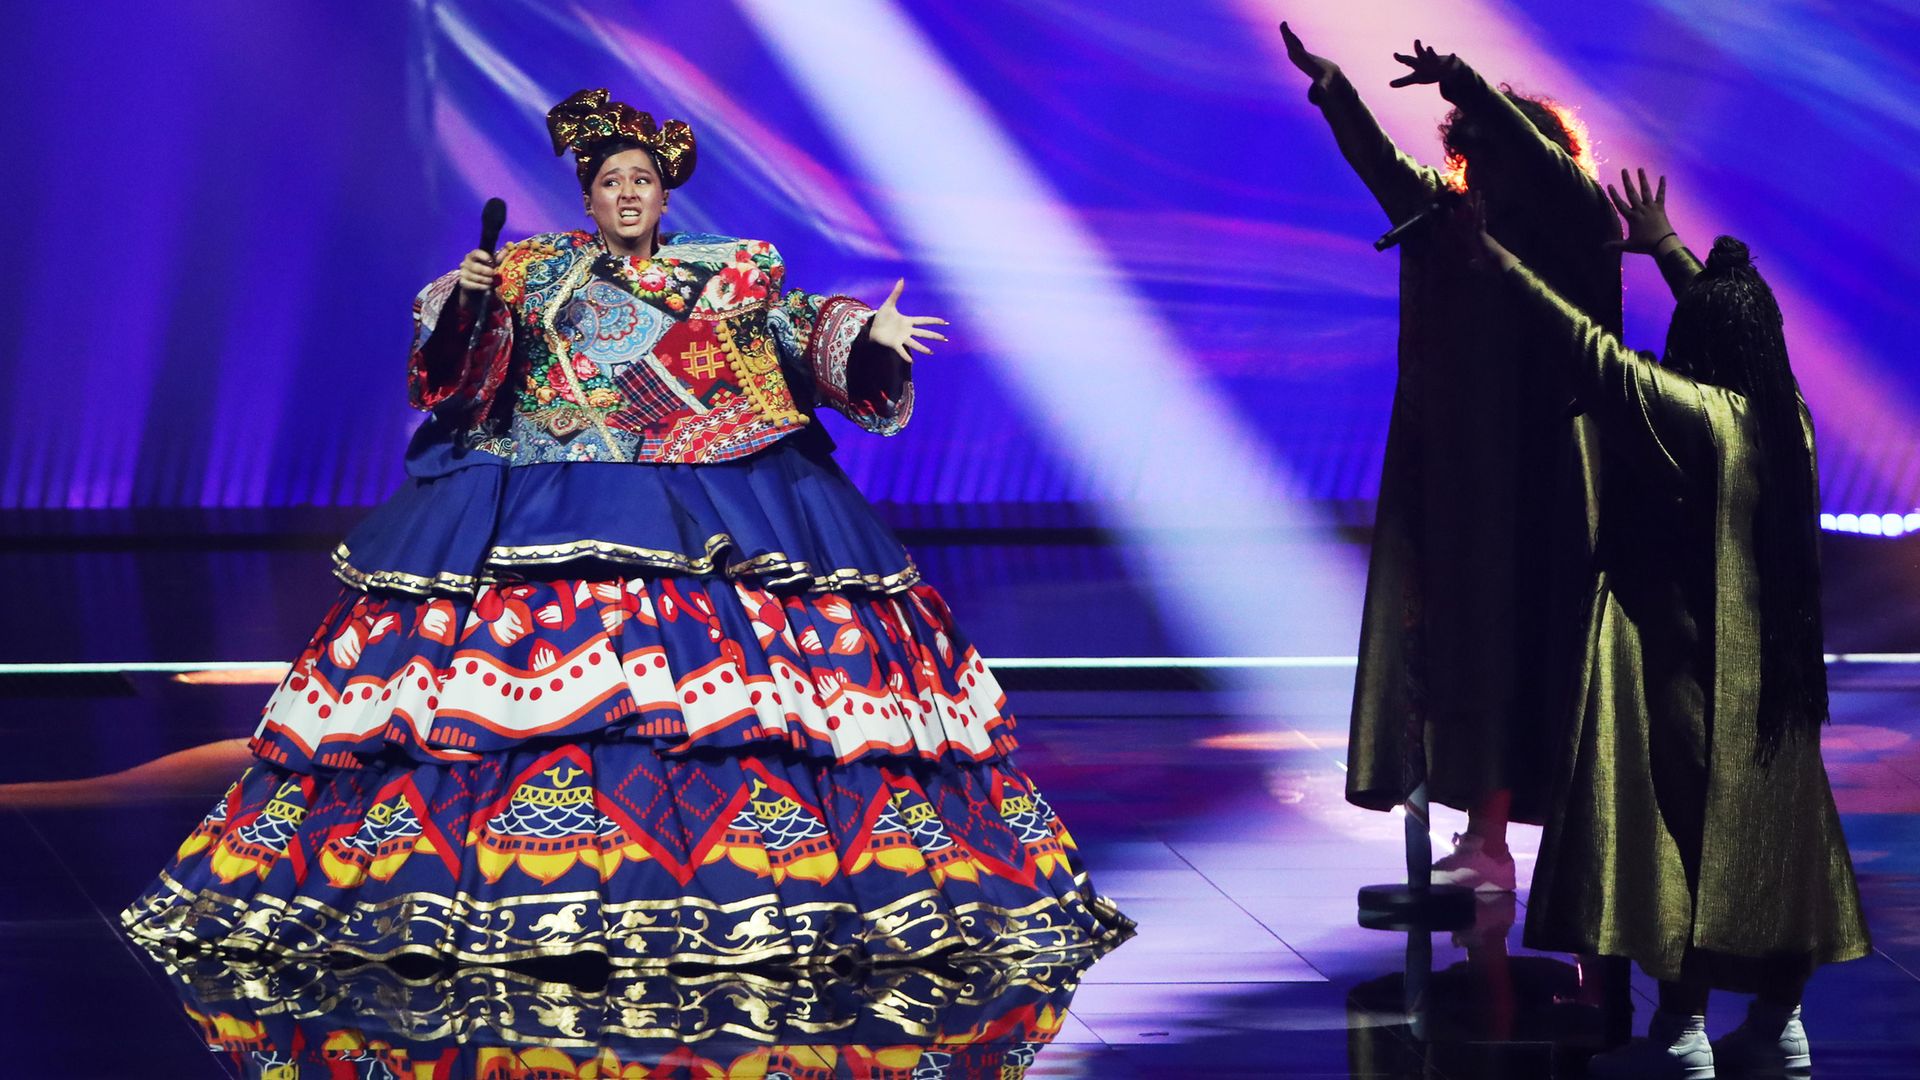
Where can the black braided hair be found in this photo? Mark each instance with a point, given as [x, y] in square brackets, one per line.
[1727, 330]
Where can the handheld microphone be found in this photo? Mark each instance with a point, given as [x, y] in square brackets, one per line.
[493, 217]
[1436, 208]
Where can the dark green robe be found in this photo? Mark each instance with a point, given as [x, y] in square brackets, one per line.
[1470, 628]
[1666, 833]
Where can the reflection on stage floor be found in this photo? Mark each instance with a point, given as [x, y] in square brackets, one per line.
[1209, 809]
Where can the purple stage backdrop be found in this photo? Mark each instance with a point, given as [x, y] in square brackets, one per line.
[1156, 261]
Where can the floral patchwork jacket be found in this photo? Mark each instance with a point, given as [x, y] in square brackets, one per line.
[694, 356]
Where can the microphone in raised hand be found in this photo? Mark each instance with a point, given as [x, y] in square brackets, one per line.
[478, 275]
[493, 217]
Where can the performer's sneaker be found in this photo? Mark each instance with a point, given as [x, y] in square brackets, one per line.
[1475, 866]
[1676, 1048]
[1771, 1042]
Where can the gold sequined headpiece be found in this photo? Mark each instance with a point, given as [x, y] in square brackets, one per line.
[588, 122]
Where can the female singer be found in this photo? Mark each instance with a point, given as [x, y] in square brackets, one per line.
[628, 667]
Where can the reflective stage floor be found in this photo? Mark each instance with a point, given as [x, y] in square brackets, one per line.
[1212, 813]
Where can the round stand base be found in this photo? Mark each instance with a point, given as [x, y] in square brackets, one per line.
[1404, 908]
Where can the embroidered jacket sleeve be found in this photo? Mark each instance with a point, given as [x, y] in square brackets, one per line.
[824, 340]
[1399, 183]
[453, 370]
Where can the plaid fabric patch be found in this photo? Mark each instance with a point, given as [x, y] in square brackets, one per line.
[648, 398]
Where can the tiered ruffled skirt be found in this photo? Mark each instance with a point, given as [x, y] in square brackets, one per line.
[666, 714]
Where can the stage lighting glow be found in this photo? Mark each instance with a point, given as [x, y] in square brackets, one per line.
[132, 667]
[1455, 170]
[1883, 524]
[1839, 375]
[1115, 387]
[1284, 739]
[264, 675]
[1252, 226]
[1172, 663]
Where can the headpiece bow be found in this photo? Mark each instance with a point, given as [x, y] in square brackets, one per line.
[588, 121]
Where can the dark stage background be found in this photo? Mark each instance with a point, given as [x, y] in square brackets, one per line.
[1156, 261]
[1155, 438]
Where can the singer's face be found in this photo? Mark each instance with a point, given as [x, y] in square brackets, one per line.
[625, 200]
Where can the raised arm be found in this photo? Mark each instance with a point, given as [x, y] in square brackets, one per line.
[454, 369]
[1500, 122]
[1656, 414]
[1650, 233]
[858, 359]
[1399, 183]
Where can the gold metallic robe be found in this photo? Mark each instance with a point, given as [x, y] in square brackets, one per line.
[1470, 626]
[1666, 833]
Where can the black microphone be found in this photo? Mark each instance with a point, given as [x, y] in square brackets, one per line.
[1436, 208]
[493, 217]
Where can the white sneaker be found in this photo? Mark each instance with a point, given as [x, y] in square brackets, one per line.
[1676, 1048]
[1767, 1043]
[1474, 867]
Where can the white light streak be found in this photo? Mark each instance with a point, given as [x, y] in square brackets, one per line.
[1117, 390]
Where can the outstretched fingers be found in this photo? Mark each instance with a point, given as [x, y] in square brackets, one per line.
[1425, 63]
[1644, 206]
[1626, 185]
[1296, 49]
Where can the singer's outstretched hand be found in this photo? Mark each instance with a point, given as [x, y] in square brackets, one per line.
[1428, 65]
[898, 332]
[1645, 212]
[478, 277]
[1318, 68]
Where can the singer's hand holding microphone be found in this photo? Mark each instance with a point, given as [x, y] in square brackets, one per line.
[478, 277]
[479, 274]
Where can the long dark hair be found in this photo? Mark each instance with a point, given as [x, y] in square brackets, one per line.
[1727, 331]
